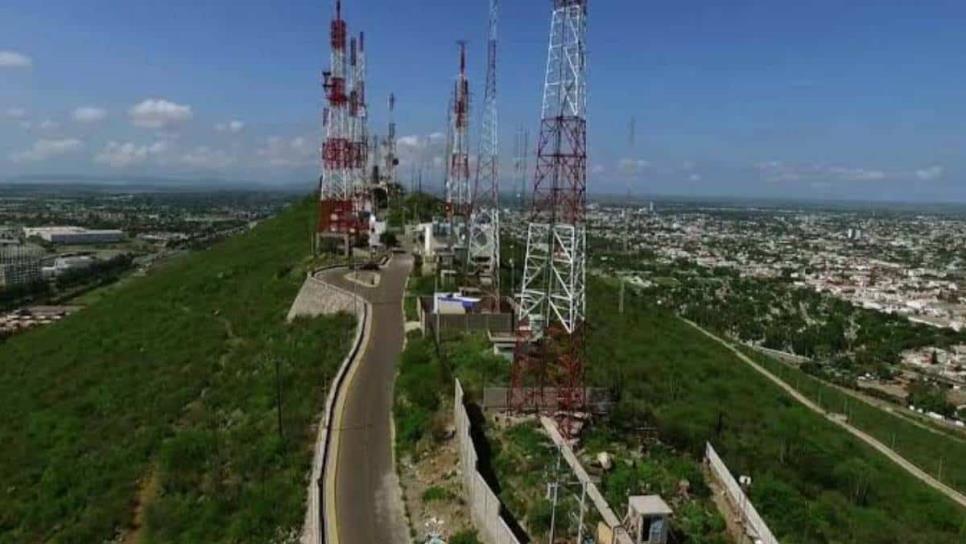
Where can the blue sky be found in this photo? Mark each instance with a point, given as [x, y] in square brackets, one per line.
[821, 98]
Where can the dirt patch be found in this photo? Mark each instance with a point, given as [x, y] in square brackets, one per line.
[433, 493]
[147, 490]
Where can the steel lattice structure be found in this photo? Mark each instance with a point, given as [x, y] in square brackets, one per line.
[484, 237]
[359, 129]
[337, 214]
[552, 295]
[458, 197]
[392, 161]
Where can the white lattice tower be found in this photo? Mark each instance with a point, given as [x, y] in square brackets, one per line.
[552, 296]
[484, 238]
[553, 288]
[358, 120]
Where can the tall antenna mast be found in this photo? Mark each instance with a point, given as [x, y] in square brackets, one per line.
[484, 238]
[625, 210]
[392, 161]
[552, 295]
[358, 115]
[337, 216]
[520, 164]
[458, 197]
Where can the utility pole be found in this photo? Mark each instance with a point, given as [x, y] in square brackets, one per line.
[627, 214]
[556, 487]
[620, 305]
[278, 397]
[583, 510]
[520, 165]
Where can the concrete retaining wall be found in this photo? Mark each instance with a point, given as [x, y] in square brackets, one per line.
[780, 355]
[485, 506]
[317, 298]
[754, 525]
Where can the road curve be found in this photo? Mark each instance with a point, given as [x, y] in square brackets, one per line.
[364, 502]
[912, 469]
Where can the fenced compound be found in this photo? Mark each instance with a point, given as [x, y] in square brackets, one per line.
[457, 323]
[754, 526]
[485, 507]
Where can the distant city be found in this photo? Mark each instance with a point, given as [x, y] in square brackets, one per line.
[59, 243]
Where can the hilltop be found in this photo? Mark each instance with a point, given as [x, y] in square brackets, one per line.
[150, 416]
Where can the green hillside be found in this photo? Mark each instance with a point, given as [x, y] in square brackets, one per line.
[155, 407]
[813, 482]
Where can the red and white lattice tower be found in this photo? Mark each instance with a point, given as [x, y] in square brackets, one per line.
[458, 197]
[484, 236]
[552, 294]
[336, 210]
[358, 123]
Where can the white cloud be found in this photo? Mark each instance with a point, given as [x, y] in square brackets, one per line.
[777, 172]
[415, 149]
[694, 177]
[931, 173]
[234, 126]
[159, 113]
[12, 59]
[856, 174]
[15, 113]
[204, 157]
[288, 152]
[598, 169]
[122, 155]
[89, 114]
[45, 149]
[408, 141]
[48, 124]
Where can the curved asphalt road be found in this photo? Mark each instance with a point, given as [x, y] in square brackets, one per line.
[368, 499]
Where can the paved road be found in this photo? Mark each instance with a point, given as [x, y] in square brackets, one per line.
[368, 500]
[912, 469]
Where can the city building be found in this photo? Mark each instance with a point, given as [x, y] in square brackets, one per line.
[74, 235]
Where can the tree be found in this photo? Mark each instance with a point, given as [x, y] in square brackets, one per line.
[389, 239]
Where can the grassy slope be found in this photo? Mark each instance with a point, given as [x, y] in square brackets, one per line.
[920, 444]
[813, 483]
[168, 376]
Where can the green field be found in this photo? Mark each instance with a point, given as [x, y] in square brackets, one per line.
[812, 481]
[156, 406]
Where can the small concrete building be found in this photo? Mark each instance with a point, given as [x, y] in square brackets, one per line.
[647, 519]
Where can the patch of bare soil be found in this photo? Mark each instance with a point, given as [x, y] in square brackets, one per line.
[433, 492]
[147, 490]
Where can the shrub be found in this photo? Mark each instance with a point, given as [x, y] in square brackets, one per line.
[436, 493]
